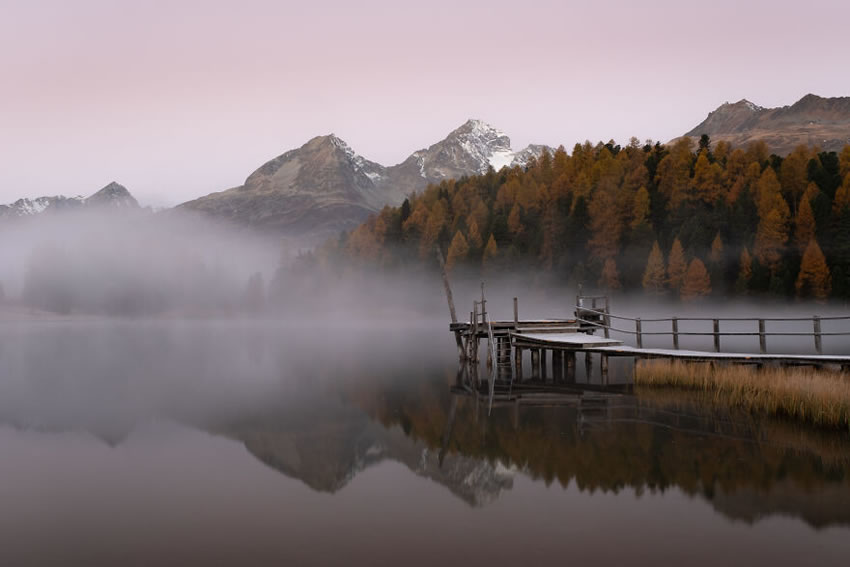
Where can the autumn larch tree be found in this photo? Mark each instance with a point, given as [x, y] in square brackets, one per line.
[813, 280]
[491, 252]
[697, 282]
[804, 225]
[458, 250]
[610, 279]
[745, 272]
[772, 232]
[654, 276]
[676, 266]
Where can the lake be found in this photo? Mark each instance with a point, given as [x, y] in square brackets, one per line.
[254, 442]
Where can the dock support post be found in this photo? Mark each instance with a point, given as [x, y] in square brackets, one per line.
[676, 333]
[518, 363]
[588, 365]
[818, 341]
[535, 363]
[570, 367]
[516, 313]
[543, 373]
[557, 365]
[762, 337]
[604, 368]
[716, 323]
[638, 333]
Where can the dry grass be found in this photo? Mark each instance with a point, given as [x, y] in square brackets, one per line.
[819, 397]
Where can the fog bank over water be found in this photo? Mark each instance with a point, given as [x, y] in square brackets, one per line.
[128, 262]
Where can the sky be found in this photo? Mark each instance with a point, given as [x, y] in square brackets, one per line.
[176, 99]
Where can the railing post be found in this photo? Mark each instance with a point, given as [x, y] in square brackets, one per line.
[516, 313]
[818, 343]
[762, 337]
[676, 333]
[638, 333]
[606, 320]
[716, 335]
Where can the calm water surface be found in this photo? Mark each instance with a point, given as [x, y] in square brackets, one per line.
[251, 443]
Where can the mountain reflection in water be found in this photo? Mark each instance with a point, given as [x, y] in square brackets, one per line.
[329, 416]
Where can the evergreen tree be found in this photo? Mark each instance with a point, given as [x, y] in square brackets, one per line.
[840, 255]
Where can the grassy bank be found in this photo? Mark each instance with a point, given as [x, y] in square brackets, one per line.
[818, 397]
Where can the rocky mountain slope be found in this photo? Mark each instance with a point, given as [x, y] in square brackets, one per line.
[113, 195]
[812, 120]
[324, 187]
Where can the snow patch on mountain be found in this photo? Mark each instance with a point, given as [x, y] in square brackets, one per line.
[373, 171]
[501, 158]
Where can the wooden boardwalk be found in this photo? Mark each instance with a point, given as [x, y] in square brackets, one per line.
[564, 349]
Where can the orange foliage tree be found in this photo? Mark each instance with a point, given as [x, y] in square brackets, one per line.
[697, 282]
[813, 279]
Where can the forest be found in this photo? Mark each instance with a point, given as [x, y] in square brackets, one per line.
[687, 220]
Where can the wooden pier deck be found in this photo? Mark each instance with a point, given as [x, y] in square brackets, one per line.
[556, 343]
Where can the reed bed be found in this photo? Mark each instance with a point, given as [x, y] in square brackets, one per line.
[818, 397]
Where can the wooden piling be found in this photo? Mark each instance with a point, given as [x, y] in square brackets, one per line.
[543, 373]
[518, 364]
[557, 365]
[570, 367]
[588, 366]
[535, 364]
[604, 368]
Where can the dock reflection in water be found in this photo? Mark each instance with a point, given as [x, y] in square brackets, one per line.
[416, 467]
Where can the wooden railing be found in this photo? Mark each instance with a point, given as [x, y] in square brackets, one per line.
[604, 322]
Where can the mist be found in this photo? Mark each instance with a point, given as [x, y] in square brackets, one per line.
[110, 319]
[117, 262]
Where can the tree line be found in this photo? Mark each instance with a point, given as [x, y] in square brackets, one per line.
[687, 219]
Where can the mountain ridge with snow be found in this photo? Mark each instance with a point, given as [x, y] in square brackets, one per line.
[325, 187]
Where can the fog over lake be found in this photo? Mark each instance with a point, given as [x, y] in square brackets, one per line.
[192, 420]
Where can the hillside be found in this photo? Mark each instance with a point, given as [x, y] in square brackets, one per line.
[678, 220]
[811, 121]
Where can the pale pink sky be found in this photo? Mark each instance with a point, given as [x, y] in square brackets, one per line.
[179, 98]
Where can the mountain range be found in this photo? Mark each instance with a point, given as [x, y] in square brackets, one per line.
[113, 195]
[811, 121]
[324, 187]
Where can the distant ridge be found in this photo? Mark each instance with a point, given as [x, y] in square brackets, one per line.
[112, 196]
[811, 121]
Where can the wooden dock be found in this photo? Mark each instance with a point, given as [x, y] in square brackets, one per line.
[567, 352]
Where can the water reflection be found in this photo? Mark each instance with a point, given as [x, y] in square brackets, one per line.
[324, 414]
